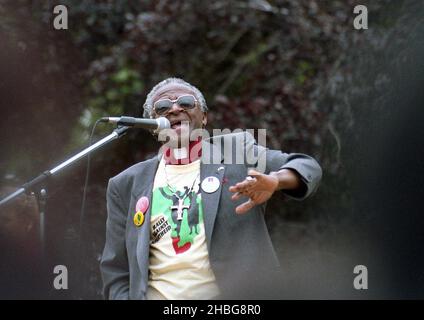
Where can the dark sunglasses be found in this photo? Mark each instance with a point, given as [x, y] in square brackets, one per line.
[186, 101]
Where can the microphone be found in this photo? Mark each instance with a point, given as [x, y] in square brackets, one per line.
[151, 124]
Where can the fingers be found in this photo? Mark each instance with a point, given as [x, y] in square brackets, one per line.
[236, 196]
[250, 195]
[244, 207]
[254, 173]
[243, 186]
[250, 187]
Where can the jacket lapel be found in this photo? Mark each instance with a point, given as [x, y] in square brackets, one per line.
[143, 188]
[211, 166]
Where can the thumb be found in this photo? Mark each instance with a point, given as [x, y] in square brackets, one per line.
[254, 173]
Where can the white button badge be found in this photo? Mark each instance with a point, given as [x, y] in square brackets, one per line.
[210, 184]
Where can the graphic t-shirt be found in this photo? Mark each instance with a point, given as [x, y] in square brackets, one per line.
[179, 262]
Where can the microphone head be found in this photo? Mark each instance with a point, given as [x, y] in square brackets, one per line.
[163, 123]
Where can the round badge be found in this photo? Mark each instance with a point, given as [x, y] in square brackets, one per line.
[138, 218]
[142, 204]
[210, 184]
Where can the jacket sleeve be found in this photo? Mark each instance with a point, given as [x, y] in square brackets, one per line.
[114, 263]
[307, 168]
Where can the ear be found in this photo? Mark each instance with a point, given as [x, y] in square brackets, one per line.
[205, 119]
[153, 114]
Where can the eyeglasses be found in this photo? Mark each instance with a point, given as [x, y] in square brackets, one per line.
[186, 102]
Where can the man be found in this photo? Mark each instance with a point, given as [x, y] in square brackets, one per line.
[189, 224]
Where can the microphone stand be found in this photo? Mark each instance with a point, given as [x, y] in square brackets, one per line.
[36, 185]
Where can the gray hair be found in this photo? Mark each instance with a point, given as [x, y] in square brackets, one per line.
[148, 104]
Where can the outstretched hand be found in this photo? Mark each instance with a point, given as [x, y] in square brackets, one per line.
[258, 187]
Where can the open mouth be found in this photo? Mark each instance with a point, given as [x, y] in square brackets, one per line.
[178, 124]
[175, 124]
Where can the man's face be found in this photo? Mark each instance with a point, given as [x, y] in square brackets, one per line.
[194, 117]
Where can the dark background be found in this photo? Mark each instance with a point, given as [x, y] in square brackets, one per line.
[351, 98]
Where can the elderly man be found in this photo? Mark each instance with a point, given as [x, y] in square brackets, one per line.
[181, 226]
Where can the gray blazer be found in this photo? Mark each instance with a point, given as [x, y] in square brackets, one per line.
[240, 251]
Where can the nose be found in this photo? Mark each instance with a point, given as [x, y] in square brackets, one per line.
[176, 108]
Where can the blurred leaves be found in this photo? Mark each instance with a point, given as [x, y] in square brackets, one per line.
[296, 68]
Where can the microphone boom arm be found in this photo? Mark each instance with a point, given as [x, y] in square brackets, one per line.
[29, 186]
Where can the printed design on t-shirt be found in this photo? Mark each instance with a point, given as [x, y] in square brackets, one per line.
[183, 216]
